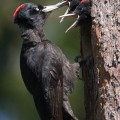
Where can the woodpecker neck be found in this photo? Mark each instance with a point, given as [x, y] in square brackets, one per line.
[33, 35]
[40, 32]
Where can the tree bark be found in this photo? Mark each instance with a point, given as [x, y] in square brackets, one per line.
[100, 44]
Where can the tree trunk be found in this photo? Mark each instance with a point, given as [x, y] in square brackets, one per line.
[100, 44]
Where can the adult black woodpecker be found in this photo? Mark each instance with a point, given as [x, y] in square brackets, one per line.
[46, 72]
[81, 10]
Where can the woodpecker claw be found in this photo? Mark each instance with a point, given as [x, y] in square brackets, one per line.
[53, 7]
[73, 25]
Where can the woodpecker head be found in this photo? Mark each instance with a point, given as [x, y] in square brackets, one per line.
[79, 9]
[30, 15]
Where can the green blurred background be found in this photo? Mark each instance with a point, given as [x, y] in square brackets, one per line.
[15, 101]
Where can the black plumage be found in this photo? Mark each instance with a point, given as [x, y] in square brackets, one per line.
[80, 9]
[84, 8]
[46, 72]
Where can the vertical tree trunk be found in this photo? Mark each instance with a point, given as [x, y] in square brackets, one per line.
[100, 43]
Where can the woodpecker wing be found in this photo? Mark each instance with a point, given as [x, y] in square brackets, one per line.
[51, 84]
[53, 95]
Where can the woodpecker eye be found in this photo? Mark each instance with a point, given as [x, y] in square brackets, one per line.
[34, 11]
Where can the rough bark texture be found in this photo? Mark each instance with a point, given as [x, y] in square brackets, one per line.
[100, 40]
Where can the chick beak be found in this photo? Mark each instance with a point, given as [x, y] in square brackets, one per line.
[62, 17]
[68, 15]
[54, 7]
[66, 12]
[73, 25]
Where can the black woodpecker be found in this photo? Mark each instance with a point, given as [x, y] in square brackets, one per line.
[46, 72]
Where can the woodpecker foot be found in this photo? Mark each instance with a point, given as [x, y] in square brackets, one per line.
[81, 60]
[78, 59]
[79, 77]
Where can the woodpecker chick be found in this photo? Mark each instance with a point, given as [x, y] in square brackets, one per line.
[72, 4]
[46, 72]
[82, 11]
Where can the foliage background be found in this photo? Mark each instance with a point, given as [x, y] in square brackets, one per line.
[15, 101]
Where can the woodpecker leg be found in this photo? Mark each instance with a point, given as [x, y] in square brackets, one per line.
[83, 61]
[78, 75]
[79, 60]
